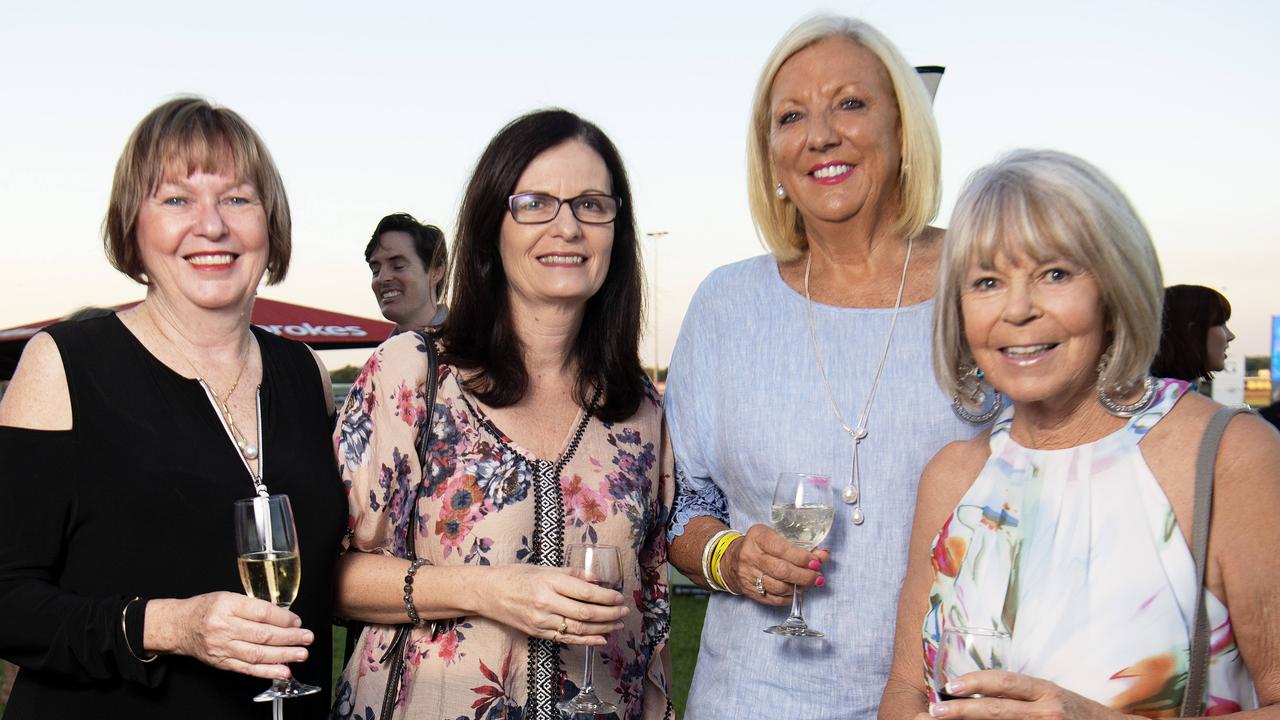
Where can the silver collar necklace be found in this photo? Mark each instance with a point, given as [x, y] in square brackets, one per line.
[852, 494]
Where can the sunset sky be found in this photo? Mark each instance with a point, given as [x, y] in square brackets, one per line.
[387, 108]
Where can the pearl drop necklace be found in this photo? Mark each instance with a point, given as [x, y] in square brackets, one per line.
[852, 494]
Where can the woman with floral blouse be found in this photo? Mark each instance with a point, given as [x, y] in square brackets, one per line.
[544, 433]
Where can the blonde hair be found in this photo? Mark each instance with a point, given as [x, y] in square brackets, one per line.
[778, 223]
[1048, 205]
[182, 136]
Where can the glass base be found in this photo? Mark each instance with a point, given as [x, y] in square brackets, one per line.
[794, 628]
[586, 703]
[285, 689]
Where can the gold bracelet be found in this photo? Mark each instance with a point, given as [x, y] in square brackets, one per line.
[124, 630]
[722, 547]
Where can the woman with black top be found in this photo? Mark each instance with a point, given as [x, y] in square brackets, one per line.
[126, 440]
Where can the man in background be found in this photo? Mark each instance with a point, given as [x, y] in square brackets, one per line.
[407, 260]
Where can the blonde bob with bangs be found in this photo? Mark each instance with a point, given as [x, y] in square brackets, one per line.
[777, 222]
[180, 137]
[1048, 205]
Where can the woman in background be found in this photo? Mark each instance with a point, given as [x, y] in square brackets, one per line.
[1193, 345]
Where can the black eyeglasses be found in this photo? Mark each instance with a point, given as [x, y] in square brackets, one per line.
[538, 208]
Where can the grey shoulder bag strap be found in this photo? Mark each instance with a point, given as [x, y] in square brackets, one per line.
[393, 659]
[1198, 662]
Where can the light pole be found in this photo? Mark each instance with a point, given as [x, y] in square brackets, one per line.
[656, 235]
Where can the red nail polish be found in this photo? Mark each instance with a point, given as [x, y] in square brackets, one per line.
[820, 581]
[815, 565]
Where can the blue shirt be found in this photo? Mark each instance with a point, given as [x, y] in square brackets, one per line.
[745, 402]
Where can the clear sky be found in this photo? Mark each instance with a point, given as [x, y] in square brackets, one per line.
[386, 108]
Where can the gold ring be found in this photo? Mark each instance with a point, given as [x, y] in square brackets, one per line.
[564, 627]
[760, 585]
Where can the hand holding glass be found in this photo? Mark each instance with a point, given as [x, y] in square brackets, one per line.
[963, 650]
[802, 512]
[270, 570]
[600, 565]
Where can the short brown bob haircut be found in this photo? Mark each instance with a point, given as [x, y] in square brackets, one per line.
[180, 137]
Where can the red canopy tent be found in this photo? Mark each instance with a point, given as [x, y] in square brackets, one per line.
[321, 329]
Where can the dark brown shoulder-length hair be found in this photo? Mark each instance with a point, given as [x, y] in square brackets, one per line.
[478, 334]
[1189, 312]
[182, 136]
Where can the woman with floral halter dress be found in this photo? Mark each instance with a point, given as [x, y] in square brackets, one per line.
[1069, 526]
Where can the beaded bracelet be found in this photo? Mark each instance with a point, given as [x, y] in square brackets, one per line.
[409, 609]
[124, 630]
[722, 547]
[706, 560]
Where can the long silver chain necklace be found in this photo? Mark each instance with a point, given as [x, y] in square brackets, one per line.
[249, 452]
[852, 493]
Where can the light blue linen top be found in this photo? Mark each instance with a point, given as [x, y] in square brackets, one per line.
[745, 401]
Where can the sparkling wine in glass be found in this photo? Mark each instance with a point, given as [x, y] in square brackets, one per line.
[267, 543]
[963, 650]
[600, 565]
[802, 512]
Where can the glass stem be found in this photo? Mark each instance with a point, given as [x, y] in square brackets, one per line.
[586, 688]
[797, 606]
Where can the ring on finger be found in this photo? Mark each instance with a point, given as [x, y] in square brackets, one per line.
[760, 585]
[564, 626]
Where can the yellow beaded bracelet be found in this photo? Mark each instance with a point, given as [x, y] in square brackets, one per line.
[722, 546]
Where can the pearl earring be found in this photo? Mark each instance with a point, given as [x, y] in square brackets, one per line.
[780, 191]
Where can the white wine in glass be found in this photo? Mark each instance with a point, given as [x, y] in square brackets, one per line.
[600, 565]
[803, 508]
[267, 543]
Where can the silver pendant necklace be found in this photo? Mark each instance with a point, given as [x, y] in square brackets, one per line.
[852, 493]
[248, 451]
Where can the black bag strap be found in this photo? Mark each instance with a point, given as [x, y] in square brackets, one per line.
[1198, 662]
[393, 658]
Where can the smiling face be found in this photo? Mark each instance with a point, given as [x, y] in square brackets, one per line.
[562, 262]
[203, 240]
[1037, 329]
[835, 134]
[402, 286]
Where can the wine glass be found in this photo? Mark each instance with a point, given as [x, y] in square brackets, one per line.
[802, 512]
[600, 565]
[964, 650]
[267, 543]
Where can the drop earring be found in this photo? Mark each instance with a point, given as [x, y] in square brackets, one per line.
[1120, 410]
[971, 377]
[780, 191]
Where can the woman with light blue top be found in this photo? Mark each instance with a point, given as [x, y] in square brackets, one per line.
[814, 359]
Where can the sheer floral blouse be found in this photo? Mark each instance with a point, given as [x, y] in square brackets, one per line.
[484, 500]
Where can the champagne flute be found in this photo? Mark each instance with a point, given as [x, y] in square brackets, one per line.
[802, 512]
[600, 565]
[964, 650]
[267, 543]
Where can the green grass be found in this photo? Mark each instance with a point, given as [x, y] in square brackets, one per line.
[686, 629]
[687, 612]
